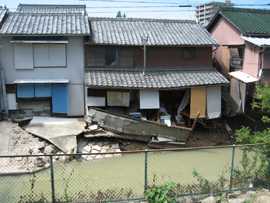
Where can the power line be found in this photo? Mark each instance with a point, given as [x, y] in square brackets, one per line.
[133, 6]
[138, 2]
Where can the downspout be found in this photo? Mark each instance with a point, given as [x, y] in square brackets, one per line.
[262, 59]
[144, 39]
[4, 93]
[217, 46]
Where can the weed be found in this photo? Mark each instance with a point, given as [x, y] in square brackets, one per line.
[163, 193]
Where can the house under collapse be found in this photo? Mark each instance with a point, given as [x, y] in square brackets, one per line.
[153, 71]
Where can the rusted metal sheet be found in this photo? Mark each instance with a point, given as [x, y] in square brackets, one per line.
[127, 125]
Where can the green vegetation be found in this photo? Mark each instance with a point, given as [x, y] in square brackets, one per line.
[245, 136]
[119, 15]
[164, 193]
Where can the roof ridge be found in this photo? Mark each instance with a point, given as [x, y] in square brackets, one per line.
[251, 10]
[48, 13]
[183, 68]
[52, 5]
[142, 19]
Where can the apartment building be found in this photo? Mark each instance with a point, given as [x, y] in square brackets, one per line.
[206, 11]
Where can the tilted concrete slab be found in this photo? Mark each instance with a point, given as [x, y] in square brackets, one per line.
[61, 132]
[127, 125]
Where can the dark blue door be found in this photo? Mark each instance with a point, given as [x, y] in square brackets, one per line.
[60, 98]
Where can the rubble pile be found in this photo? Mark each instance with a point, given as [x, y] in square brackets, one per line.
[97, 148]
[23, 143]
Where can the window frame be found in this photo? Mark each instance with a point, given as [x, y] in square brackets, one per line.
[119, 50]
[49, 52]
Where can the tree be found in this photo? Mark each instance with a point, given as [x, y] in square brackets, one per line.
[245, 136]
[119, 15]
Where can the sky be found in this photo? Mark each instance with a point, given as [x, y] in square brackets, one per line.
[165, 9]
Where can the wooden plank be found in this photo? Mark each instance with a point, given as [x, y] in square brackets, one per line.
[198, 102]
[226, 62]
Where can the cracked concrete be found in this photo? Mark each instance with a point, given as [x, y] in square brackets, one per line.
[61, 132]
[130, 126]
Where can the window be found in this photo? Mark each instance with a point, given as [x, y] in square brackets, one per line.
[101, 56]
[189, 53]
[23, 56]
[95, 56]
[236, 57]
[49, 55]
[29, 55]
[111, 56]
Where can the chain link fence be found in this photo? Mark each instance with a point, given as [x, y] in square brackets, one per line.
[126, 175]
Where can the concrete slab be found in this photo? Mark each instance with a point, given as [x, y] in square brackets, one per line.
[5, 131]
[61, 132]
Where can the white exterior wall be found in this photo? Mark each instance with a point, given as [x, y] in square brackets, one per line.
[74, 71]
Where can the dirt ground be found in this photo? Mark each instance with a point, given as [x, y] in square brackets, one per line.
[214, 136]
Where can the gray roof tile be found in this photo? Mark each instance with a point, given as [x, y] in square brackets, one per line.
[51, 8]
[128, 31]
[154, 78]
[3, 12]
[45, 24]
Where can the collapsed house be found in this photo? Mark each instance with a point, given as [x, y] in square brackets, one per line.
[140, 78]
[154, 75]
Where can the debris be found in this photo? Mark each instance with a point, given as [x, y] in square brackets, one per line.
[115, 146]
[61, 132]
[125, 142]
[227, 127]
[93, 127]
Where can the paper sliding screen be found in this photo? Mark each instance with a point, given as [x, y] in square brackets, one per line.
[213, 102]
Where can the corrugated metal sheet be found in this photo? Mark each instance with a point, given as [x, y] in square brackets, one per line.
[26, 91]
[51, 8]
[43, 90]
[60, 98]
[259, 41]
[154, 78]
[45, 24]
[128, 31]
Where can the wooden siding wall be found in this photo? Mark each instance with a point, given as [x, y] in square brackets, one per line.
[172, 57]
[251, 63]
[266, 62]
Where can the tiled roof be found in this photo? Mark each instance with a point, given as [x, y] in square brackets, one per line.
[45, 24]
[248, 21]
[51, 8]
[128, 31]
[259, 41]
[154, 78]
[3, 12]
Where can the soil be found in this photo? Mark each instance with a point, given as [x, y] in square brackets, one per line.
[216, 134]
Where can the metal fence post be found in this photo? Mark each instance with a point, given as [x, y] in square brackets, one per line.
[52, 178]
[233, 152]
[145, 169]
